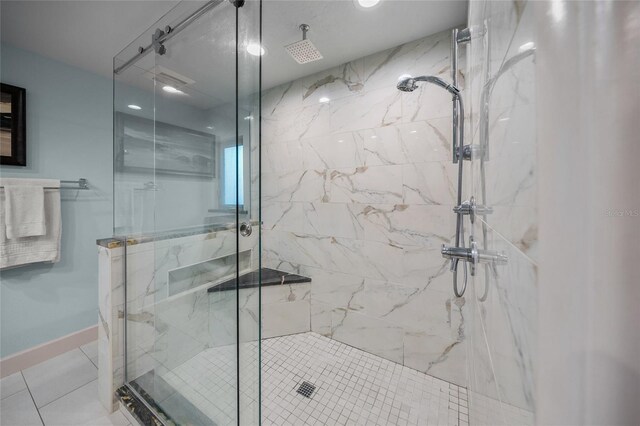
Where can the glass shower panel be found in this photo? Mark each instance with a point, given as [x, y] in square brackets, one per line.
[194, 156]
[196, 344]
[134, 207]
[247, 185]
[133, 167]
[501, 320]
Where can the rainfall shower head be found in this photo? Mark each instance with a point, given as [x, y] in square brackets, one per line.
[303, 51]
[410, 84]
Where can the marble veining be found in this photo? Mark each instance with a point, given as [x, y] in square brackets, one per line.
[166, 329]
[502, 314]
[357, 195]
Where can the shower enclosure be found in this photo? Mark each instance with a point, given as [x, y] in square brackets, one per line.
[186, 209]
[283, 215]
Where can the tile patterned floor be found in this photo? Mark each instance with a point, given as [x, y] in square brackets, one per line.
[353, 387]
[208, 381]
[490, 411]
[61, 391]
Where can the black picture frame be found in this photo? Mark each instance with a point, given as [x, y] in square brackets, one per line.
[143, 145]
[14, 122]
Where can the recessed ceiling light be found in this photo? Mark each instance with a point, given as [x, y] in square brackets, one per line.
[136, 107]
[367, 3]
[255, 49]
[324, 100]
[413, 131]
[171, 89]
[374, 137]
[210, 127]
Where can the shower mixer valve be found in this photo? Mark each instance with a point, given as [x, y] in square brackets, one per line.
[473, 255]
[472, 209]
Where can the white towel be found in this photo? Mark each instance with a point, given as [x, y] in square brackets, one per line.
[24, 211]
[42, 248]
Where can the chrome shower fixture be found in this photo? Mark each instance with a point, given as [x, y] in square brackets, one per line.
[304, 51]
[410, 84]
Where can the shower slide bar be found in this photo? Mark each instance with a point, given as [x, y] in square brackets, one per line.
[81, 183]
[471, 255]
[460, 152]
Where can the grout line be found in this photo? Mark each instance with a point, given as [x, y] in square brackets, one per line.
[88, 357]
[31, 395]
[10, 395]
[72, 390]
[62, 396]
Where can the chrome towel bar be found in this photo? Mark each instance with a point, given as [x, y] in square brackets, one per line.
[81, 183]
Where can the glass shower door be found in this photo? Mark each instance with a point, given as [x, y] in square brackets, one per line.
[188, 172]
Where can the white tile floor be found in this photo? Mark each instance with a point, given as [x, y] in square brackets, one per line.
[61, 391]
[353, 387]
[208, 381]
[490, 411]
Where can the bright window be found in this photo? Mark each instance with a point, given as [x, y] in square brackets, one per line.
[230, 162]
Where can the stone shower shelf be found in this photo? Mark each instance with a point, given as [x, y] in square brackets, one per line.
[251, 280]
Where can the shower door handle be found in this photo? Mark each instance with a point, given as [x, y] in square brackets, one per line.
[245, 229]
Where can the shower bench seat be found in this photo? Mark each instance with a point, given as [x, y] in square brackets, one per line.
[269, 277]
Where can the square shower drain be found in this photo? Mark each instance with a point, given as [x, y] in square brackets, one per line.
[306, 389]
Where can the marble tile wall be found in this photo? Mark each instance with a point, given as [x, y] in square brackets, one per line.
[357, 194]
[502, 301]
[165, 329]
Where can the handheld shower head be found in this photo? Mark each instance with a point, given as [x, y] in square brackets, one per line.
[409, 84]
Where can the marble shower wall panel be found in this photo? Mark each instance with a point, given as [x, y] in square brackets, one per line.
[163, 329]
[510, 172]
[505, 316]
[502, 312]
[285, 310]
[110, 347]
[357, 194]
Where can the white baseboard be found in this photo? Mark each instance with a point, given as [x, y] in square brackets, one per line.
[36, 355]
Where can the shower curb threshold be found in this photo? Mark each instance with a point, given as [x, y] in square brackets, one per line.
[138, 409]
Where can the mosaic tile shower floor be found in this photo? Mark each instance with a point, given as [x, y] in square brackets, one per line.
[352, 387]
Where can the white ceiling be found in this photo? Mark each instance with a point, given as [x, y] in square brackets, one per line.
[88, 34]
[85, 34]
[342, 31]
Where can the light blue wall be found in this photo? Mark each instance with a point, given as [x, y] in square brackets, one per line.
[69, 135]
[164, 209]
